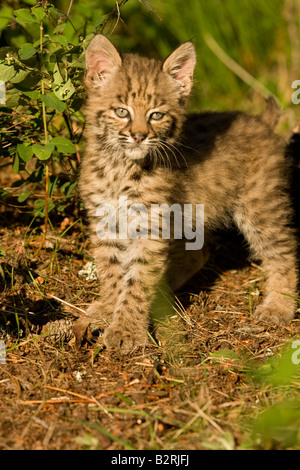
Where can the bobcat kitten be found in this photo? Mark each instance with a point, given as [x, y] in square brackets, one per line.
[142, 145]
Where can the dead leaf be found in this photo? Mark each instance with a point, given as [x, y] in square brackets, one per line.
[80, 330]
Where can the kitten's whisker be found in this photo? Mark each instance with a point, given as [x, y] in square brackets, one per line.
[179, 151]
[189, 148]
[167, 145]
[165, 161]
[157, 156]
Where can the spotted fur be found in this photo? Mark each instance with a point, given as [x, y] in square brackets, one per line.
[230, 162]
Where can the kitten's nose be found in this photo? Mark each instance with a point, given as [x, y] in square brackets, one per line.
[139, 137]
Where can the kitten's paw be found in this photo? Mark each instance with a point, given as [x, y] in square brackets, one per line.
[126, 340]
[273, 314]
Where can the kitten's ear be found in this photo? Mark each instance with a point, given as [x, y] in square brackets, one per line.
[101, 60]
[180, 65]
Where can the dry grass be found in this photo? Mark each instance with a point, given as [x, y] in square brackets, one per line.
[204, 385]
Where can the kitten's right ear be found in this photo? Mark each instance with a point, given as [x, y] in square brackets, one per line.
[101, 60]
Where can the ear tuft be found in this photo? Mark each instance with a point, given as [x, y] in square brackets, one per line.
[180, 65]
[101, 60]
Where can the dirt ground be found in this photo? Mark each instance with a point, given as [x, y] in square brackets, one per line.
[207, 380]
[191, 391]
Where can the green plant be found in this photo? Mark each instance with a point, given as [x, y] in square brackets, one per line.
[42, 122]
[42, 118]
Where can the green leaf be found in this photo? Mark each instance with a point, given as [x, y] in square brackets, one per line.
[16, 163]
[33, 95]
[12, 100]
[23, 15]
[43, 152]
[30, 81]
[57, 78]
[67, 188]
[63, 145]
[65, 91]
[2, 251]
[62, 40]
[23, 196]
[52, 185]
[7, 72]
[51, 101]
[5, 14]
[39, 12]
[39, 207]
[25, 151]
[71, 188]
[27, 50]
[59, 28]
[19, 76]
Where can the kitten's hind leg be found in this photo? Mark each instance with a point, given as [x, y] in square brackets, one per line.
[280, 302]
[273, 242]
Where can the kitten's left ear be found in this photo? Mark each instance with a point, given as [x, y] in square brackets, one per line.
[180, 65]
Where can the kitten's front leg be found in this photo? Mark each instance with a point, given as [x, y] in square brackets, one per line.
[108, 259]
[107, 255]
[144, 263]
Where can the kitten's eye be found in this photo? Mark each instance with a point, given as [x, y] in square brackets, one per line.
[156, 116]
[122, 112]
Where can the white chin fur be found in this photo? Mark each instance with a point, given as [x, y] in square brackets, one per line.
[135, 153]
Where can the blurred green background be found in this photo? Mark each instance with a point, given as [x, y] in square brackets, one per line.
[262, 37]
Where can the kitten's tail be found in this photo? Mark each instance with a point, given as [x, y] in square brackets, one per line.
[271, 113]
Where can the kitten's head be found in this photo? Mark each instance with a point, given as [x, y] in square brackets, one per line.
[136, 105]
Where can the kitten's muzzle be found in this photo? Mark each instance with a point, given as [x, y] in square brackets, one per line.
[138, 137]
